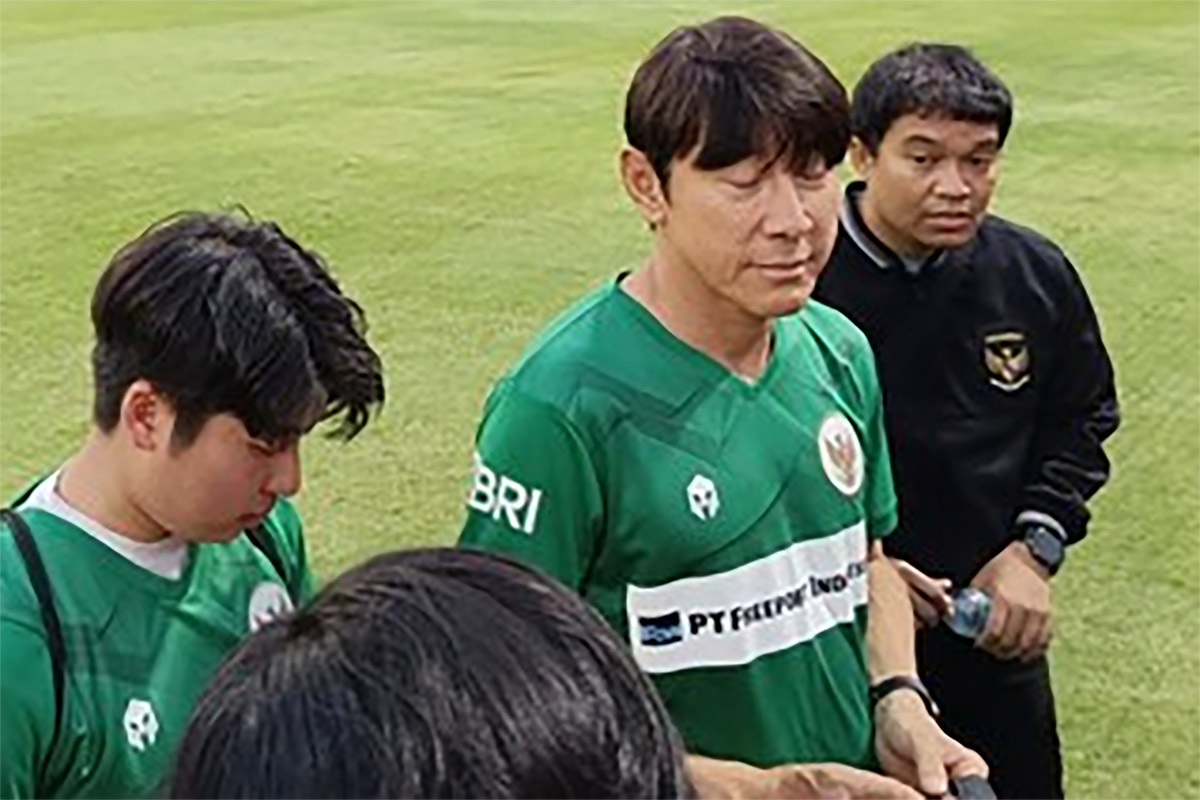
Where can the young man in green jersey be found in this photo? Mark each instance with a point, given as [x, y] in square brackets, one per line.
[700, 451]
[129, 571]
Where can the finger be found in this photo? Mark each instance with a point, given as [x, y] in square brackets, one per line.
[995, 624]
[881, 787]
[1014, 624]
[1048, 635]
[937, 590]
[924, 611]
[926, 583]
[931, 769]
[1030, 637]
[870, 786]
[1042, 643]
[963, 761]
[840, 780]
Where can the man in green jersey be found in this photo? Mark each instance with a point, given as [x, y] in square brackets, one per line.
[131, 570]
[700, 452]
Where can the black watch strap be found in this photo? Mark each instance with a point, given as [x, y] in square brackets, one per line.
[1046, 545]
[889, 685]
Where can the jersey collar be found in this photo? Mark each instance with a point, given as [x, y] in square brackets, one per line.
[879, 253]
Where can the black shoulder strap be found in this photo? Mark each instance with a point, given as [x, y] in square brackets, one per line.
[40, 581]
[259, 537]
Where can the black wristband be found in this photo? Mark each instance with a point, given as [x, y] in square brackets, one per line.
[1045, 544]
[889, 685]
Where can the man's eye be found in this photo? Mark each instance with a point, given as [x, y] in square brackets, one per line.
[745, 183]
[811, 180]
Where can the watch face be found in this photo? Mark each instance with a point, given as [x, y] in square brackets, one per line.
[1045, 546]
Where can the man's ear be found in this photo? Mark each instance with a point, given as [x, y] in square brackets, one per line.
[643, 186]
[861, 158]
[147, 417]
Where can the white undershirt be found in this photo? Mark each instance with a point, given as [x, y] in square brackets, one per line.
[166, 558]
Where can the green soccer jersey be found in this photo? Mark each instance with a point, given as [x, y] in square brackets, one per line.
[139, 649]
[721, 526]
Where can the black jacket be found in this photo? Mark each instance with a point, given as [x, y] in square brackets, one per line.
[997, 389]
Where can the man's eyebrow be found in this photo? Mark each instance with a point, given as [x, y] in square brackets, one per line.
[991, 143]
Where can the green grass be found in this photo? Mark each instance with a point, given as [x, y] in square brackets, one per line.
[456, 163]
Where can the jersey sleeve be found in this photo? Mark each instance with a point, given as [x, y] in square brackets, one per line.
[879, 491]
[288, 532]
[27, 701]
[1068, 463]
[534, 491]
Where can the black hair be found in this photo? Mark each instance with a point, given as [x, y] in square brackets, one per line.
[929, 80]
[738, 89]
[432, 673]
[223, 313]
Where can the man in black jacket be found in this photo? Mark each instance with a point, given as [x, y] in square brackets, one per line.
[998, 392]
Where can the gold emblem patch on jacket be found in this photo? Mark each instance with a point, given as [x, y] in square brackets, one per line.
[1006, 357]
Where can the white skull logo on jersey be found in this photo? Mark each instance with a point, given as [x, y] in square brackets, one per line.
[268, 601]
[702, 497]
[141, 724]
[841, 455]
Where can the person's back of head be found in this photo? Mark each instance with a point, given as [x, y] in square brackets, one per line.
[942, 81]
[433, 673]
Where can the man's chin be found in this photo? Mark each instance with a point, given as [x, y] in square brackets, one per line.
[223, 535]
[791, 302]
[949, 241]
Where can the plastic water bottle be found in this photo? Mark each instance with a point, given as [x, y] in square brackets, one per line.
[969, 612]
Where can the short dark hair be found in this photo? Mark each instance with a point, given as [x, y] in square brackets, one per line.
[929, 80]
[432, 673]
[736, 88]
[223, 313]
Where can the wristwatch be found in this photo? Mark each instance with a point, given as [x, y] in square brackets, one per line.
[1046, 546]
[888, 685]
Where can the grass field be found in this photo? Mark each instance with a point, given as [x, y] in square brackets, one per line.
[455, 163]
